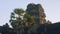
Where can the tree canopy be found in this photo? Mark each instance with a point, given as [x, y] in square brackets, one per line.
[20, 19]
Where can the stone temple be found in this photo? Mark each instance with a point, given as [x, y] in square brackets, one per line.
[37, 11]
[41, 25]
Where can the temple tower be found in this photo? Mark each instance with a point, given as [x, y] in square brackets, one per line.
[37, 12]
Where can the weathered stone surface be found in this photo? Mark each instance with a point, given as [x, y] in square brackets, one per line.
[37, 11]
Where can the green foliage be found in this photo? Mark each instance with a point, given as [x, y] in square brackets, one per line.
[18, 23]
[19, 11]
[29, 20]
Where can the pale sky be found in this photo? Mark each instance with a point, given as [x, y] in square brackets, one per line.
[51, 8]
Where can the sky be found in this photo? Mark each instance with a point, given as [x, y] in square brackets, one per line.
[51, 8]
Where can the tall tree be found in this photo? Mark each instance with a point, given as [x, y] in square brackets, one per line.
[16, 19]
[20, 20]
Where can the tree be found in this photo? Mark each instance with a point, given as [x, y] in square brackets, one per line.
[16, 20]
[6, 25]
[28, 20]
[20, 20]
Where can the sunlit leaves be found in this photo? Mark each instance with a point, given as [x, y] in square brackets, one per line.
[19, 11]
[18, 23]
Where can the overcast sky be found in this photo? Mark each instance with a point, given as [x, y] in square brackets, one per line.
[51, 8]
